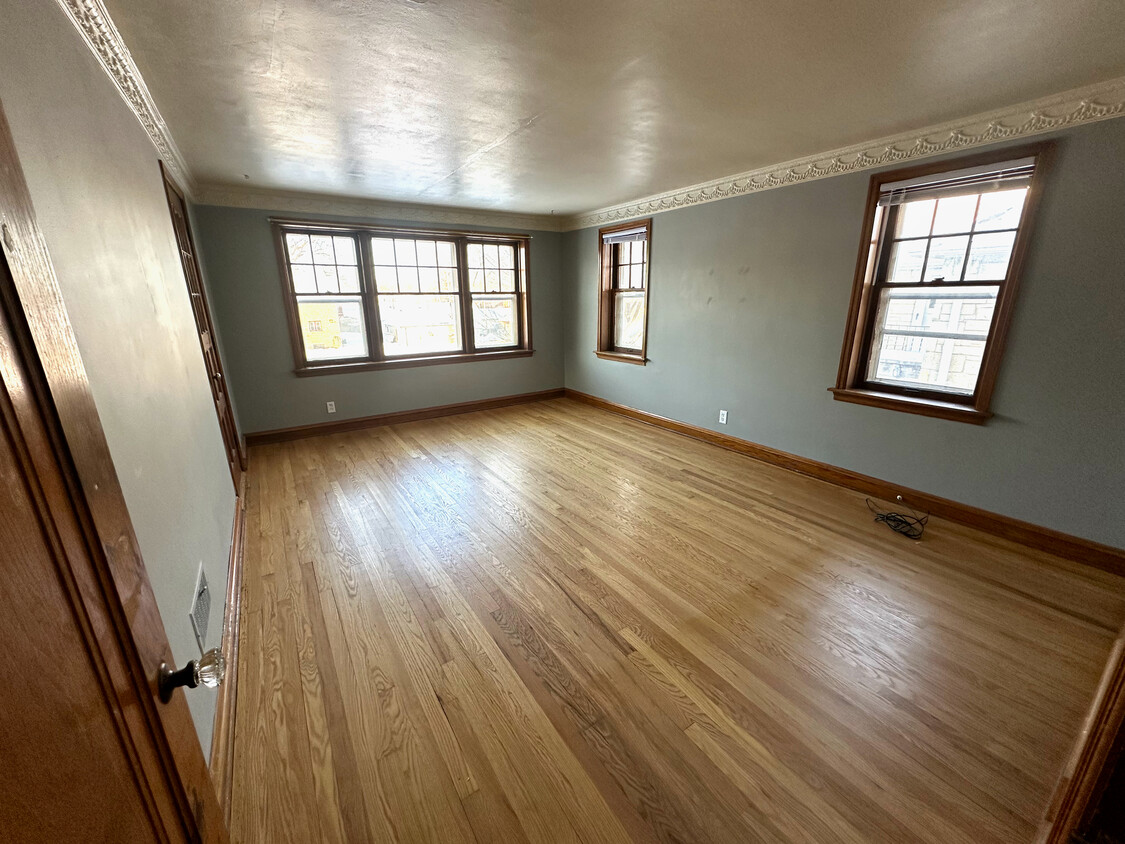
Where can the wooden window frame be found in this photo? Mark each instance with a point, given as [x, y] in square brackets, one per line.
[852, 384]
[606, 348]
[369, 297]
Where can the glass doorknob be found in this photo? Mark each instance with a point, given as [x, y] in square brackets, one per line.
[208, 670]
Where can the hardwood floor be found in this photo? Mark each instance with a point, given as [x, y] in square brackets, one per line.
[548, 623]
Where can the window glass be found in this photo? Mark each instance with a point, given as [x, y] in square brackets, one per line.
[629, 320]
[932, 339]
[419, 325]
[332, 327]
[495, 321]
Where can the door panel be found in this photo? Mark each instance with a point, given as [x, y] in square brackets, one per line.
[62, 745]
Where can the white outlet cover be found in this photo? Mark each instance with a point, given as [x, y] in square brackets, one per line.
[722, 417]
[331, 407]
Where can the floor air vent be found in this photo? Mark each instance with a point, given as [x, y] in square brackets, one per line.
[201, 609]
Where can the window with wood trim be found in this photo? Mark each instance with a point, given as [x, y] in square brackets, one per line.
[368, 297]
[935, 283]
[623, 301]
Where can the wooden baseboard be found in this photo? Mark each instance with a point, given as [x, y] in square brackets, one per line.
[222, 735]
[1104, 557]
[322, 428]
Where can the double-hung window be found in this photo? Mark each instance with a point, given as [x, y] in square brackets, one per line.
[623, 300]
[364, 298]
[935, 284]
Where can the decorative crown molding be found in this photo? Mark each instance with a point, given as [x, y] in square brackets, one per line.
[1082, 105]
[1072, 108]
[93, 22]
[293, 202]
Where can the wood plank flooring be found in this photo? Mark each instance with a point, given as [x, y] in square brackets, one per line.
[548, 623]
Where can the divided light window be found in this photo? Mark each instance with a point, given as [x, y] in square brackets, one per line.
[623, 301]
[370, 298]
[934, 289]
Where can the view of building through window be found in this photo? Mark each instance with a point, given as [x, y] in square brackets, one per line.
[946, 262]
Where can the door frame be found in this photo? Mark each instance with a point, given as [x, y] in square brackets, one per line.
[164, 751]
[1087, 770]
[239, 444]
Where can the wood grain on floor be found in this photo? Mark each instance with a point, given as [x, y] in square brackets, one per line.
[548, 623]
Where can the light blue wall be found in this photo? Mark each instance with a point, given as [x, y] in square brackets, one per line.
[99, 199]
[748, 302]
[247, 305]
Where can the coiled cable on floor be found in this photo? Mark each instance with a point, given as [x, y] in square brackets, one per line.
[911, 526]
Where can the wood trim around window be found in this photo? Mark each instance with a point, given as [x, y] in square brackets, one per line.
[606, 349]
[376, 358]
[851, 384]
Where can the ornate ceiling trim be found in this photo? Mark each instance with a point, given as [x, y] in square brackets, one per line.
[1082, 105]
[292, 202]
[93, 22]
[1072, 108]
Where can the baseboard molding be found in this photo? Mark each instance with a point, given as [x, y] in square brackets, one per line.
[322, 428]
[1104, 557]
[222, 735]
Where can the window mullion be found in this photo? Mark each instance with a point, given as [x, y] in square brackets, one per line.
[465, 297]
[370, 299]
[521, 333]
[969, 242]
[930, 242]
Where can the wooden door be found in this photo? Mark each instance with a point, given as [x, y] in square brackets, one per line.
[87, 753]
[206, 329]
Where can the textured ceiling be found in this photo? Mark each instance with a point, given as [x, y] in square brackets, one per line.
[558, 106]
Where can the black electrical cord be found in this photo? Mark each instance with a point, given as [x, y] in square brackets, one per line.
[911, 526]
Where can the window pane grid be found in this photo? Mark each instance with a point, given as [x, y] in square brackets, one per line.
[327, 284]
[414, 294]
[940, 241]
[629, 261]
[491, 267]
[322, 263]
[414, 266]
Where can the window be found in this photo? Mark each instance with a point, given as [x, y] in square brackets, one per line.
[623, 303]
[935, 284]
[367, 297]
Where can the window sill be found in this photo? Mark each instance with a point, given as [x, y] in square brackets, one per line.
[405, 363]
[640, 360]
[909, 404]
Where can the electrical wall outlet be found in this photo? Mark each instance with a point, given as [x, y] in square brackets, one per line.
[331, 407]
[722, 417]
